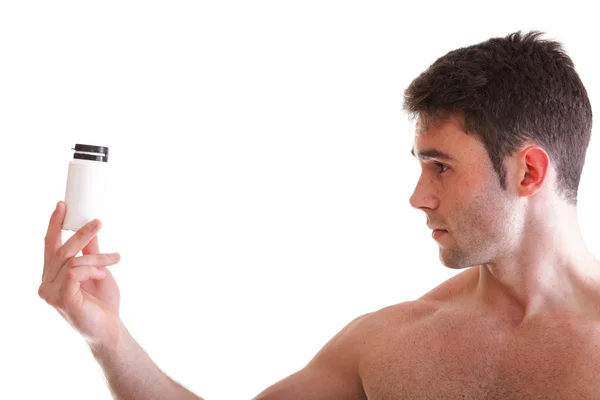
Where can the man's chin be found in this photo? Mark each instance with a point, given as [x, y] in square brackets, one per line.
[453, 263]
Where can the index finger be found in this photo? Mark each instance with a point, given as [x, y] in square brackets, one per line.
[92, 247]
[53, 239]
[80, 239]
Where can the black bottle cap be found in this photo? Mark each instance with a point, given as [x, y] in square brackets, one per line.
[82, 152]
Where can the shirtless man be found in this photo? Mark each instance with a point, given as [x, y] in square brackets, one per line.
[502, 132]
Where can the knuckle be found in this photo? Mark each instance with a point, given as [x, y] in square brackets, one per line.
[42, 291]
[71, 263]
[81, 233]
[61, 253]
[48, 295]
[71, 274]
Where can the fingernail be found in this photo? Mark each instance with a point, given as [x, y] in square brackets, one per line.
[94, 224]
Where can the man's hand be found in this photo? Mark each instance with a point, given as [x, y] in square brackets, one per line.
[81, 289]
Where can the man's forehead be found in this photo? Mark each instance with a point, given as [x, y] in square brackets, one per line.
[436, 138]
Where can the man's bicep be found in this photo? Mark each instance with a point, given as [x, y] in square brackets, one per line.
[331, 374]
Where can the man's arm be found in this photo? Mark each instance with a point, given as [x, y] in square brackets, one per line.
[86, 294]
[331, 374]
[132, 375]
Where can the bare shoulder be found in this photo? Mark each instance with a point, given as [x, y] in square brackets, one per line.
[359, 331]
[351, 340]
[395, 320]
[406, 313]
[344, 364]
[334, 371]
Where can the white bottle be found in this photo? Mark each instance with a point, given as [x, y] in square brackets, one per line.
[87, 184]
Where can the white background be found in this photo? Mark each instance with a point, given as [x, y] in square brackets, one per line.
[261, 172]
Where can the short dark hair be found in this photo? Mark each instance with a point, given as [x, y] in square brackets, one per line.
[508, 90]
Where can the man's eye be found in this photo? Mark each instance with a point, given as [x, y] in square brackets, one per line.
[443, 167]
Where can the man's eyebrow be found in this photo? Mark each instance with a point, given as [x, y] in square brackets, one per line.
[429, 154]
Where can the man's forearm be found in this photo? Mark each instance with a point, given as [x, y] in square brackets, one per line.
[132, 375]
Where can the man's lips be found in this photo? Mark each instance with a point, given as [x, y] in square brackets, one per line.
[438, 233]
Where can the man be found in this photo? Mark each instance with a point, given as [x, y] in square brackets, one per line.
[502, 132]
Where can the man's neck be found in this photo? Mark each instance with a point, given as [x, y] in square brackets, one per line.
[552, 273]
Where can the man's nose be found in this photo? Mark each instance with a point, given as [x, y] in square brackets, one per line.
[423, 196]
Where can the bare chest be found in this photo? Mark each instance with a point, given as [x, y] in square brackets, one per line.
[467, 359]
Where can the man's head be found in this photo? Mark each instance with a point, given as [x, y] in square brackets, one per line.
[516, 118]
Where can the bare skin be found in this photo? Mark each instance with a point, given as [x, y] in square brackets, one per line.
[521, 322]
[523, 319]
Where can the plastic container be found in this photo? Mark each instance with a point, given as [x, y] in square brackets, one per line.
[87, 186]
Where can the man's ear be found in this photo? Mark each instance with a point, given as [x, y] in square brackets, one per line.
[531, 170]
